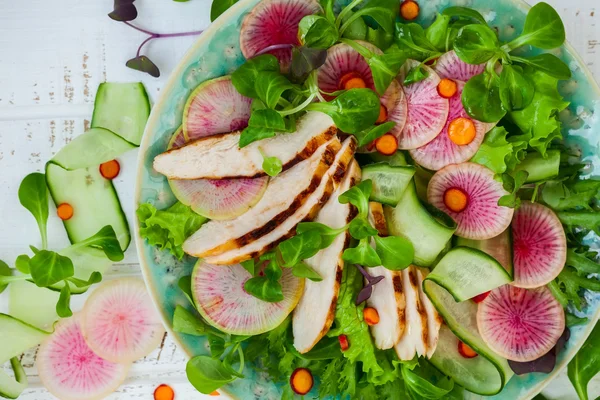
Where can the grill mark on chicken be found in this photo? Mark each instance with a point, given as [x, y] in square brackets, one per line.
[412, 273]
[310, 149]
[400, 300]
[378, 218]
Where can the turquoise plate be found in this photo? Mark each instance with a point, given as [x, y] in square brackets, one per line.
[217, 53]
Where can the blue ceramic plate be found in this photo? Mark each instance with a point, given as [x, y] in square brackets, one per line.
[217, 53]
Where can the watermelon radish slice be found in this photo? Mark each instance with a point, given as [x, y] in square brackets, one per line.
[427, 110]
[520, 324]
[539, 245]
[215, 107]
[70, 370]
[343, 60]
[274, 22]
[221, 299]
[442, 151]
[451, 67]
[469, 193]
[119, 322]
[218, 199]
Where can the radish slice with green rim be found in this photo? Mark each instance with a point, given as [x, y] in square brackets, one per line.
[451, 67]
[71, 370]
[119, 321]
[520, 324]
[427, 110]
[442, 151]
[480, 217]
[215, 107]
[539, 245]
[224, 303]
[274, 22]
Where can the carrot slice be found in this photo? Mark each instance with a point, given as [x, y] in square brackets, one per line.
[371, 316]
[387, 144]
[302, 381]
[164, 392]
[110, 169]
[215, 393]
[64, 211]
[462, 131]
[409, 10]
[383, 115]
[466, 351]
[447, 88]
[456, 200]
[352, 80]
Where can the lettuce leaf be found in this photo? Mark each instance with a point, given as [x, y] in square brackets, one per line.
[168, 229]
[499, 152]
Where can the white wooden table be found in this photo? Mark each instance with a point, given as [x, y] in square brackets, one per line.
[53, 55]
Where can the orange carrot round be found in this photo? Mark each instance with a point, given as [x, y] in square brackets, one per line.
[409, 10]
[466, 351]
[387, 144]
[110, 169]
[215, 393]
[456, 200]
[371, 316]
[301, 381]
[344, 345]
[164, 392]
[352, 80]
[383, 115]
[447, 88]
[462, 131]
[64, 211]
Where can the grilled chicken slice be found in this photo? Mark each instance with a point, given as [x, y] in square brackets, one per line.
[284, 195]
[314, 314]
[415, 337]
[434, 319]
[388, 295]
[284, 229]
[219, 156]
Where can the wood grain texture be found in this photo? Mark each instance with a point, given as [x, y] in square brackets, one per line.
[53, 55]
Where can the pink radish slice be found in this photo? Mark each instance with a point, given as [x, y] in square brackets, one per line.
[451, 67]
[215, 107]
[539, 245]
[119, 321]
[520, 324]
[442, 151]
[274, 22]
[222, 300]
[482, 218]
[427, 110]
[394, 101]
[70, 370]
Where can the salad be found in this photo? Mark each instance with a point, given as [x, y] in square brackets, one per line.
[379, 209]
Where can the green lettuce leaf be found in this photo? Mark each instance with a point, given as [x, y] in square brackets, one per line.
[499, 152]
[168, 229]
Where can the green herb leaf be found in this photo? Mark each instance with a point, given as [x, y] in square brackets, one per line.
[360, 228]
[185, 284]
[363, 254]
[271, 165]
[63, 307]
[321, 34]
[589, 220]
[219, 7]
[481, 98]
[33, 195]
[300, 247]
[385, 68]
[464, 12]
[247, 74]
[476, 44]
[106, 240]
[423, 388]
[396, 252]
[264, 288]
[546, 63]
[49, 267]
[217, 345]
[586, 364]
[188, 323]
[543, 28]
[249, 266]
[516, 91]
[22, 264]
[358, 29]
[416, 74]
[358, 196]
[327, 233]
[512, 185]
[573, 320]
[304, 61]
[303, 270]
[207, 374]
[437, 32]
[270, 87]
[413, 42]
[383, 12]
[95, 277]
[6, 272]
[369, 135]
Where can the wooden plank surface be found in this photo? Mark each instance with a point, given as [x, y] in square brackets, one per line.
[53, 55]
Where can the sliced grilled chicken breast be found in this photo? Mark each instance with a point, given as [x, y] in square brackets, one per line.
[415, 337]
[284, 195]
[388, 295]
[219, 156]
[315, 312]
[307, 212]
[434, 319]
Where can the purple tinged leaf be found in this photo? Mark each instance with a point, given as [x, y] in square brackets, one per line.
[364, 294]
[124, 10]
[144, 64]
[546, 363]
[375, 280]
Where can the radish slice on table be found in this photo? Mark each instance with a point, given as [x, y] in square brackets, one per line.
[215, 107]
[427, 110]
[442, 150]
[69, 368]
[469, 193]
[224, 303]
[539, 245]
[275, 22]
[451, 67]
[119, 321]
[520, 324]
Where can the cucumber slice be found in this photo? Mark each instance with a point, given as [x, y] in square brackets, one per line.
[499, 247]
[96, 146]
[33, 305]
[473, 374]
[11, 388]
[398, 159]
[540, 168]
[465, 273]
[94, 201]
[389, 183]
[428, 233]
[122, 108]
